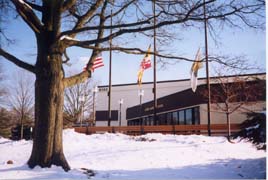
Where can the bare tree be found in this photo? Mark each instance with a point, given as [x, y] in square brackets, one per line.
[59, 25]
[231, 93]
[78, 102]
[21, 98]
[6, 117]
[2, 87]
[7, 121]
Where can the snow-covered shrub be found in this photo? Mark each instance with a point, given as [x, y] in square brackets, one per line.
[254, 129]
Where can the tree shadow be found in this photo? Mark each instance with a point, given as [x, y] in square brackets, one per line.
[222, 169]
[24, 172]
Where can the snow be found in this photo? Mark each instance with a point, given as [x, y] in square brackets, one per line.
[68, 38]
[151, 156]
[253, 127]
[22, 2]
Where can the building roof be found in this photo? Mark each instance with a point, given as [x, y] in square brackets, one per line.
[179, 80]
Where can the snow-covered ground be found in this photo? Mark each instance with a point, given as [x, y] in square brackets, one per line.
[118, 156]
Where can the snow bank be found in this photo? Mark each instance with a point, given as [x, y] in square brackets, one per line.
[151, 156]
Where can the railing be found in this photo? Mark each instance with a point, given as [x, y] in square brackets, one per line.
[216, 129]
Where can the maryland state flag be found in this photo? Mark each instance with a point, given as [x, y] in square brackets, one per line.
[194, 70]
[140, 74]
[145, 64]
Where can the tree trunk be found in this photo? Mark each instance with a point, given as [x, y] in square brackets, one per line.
[49, 97]
[228, 126]
[21, 126]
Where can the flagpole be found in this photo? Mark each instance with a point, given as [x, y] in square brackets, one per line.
[110, 73]
[154, 88]
[207, 68]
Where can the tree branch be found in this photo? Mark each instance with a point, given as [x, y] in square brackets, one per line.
[68, 4]
[136, 51]
[28, 15]
[187, 16]
[76, 79]
[87, 73]
[120, 10]
[100, 35]
[83, 19]
[17, 61]
[35, 6]
[70, 32]
[147, 21]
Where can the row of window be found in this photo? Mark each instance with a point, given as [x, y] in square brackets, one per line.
[181, 117]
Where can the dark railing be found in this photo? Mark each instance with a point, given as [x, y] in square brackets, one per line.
[216, 129]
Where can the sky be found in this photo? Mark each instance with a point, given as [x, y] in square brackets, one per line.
[236, 42]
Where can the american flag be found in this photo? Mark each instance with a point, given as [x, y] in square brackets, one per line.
[98, 62]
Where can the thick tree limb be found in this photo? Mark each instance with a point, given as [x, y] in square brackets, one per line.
[136, 51]
[120, 32]
[100, 35]
[66, 57]
[70, 32]
[191, 15]
[83, 19]
[147, 21]
[68, 4]
[76, 79]
[35, 6]
[17, 61]
[87, 73]
[27, 14]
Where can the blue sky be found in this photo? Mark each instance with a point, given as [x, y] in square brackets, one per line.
[124, 66]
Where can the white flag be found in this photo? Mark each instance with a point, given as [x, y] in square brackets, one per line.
[194, 70]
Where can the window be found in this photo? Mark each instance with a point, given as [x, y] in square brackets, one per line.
[175, 117]
[181, 117]
[196, 116]
[169, 119]
[162, 119]
[151, 121]
[145, 121]
[188, 116]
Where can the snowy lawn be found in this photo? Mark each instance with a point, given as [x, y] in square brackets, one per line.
[118, 156]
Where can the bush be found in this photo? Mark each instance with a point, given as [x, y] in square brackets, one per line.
[254, 129]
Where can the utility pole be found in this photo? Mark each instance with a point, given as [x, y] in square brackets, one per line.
[154, 88]
[110, 73]
[207, 68]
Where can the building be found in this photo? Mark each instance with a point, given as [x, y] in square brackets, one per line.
[176, 103]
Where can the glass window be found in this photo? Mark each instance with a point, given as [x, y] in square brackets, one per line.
[151, 122]
[139, 121]
[169, 119]
[162, 119]
[145, 121]
[181, 117]
[156, 122]
[188, 116]
[196, 116]
[175, 117]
